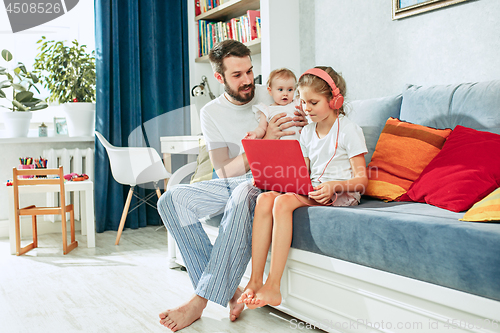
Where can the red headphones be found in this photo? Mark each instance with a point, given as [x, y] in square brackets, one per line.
[337, 100]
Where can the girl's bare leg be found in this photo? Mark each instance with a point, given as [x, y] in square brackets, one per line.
[261, 240]
[284, 206]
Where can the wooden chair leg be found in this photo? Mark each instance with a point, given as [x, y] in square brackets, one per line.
[22, 250]
[35, 233]
[68, 248]
[64, 233]
[18, 235]
[72, 223]
[124, 214]
[158, 192]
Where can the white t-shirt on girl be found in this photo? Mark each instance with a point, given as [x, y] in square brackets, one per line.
[272, 110]
[319, 151]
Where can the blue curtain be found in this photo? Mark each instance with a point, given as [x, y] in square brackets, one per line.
[142, 78]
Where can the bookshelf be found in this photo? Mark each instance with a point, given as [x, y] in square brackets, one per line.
[278, 46]
[227, 11]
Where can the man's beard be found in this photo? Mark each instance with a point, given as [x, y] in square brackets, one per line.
[236, 94]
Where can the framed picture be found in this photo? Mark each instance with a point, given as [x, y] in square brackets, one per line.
[405, 8]
[60, 126]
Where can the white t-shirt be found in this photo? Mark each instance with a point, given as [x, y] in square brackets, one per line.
[320, 151]
[272, 110]
[225, 124]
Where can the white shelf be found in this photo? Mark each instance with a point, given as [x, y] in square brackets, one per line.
[228, 10]
[61, 138]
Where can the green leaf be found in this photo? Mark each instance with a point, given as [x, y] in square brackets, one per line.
[18, 86]
[6, 55]
[24, 96]
[39, 107]
[5, 84]
[2, 94]
[34, 78]
[19, 105]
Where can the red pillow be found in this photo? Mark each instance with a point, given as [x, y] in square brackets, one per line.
[465, 171]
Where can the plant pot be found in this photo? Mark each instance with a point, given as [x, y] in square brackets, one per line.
[80, 118]
[17, 124]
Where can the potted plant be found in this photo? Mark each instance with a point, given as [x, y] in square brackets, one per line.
[68, 72]
[15, 86]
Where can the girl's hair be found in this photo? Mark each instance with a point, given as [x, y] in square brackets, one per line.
[323, 88]
[280, 73]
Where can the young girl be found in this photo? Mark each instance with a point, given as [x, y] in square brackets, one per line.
[281, 87]
[333, 148]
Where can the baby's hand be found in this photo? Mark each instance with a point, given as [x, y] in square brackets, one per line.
[250, 136]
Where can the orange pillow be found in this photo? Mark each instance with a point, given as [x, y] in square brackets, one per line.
[403, 151]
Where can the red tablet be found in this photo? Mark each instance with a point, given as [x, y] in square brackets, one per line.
[278, 165]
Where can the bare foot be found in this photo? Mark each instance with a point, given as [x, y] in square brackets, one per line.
[235, 308]
[249, 294]
[268, 295]
[184, 315]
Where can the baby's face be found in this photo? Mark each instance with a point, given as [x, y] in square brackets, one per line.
[282, 90]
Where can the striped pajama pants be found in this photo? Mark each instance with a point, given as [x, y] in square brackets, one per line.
[215, 271]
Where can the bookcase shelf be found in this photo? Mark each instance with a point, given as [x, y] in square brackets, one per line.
[253, 45]
[229, 9]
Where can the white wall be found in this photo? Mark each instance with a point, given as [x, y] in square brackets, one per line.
[378, 56]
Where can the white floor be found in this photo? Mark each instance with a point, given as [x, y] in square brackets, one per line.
[108, 289]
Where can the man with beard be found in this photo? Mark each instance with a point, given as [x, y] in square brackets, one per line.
[216, 271]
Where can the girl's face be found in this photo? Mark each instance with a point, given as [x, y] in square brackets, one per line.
[281, 90]
[315, 105]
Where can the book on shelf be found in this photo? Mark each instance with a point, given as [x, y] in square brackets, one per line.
[244, 29]
[252, 22]
[203, 6]
[197, 8]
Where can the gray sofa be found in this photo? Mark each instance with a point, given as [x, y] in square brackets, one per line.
[397, 266]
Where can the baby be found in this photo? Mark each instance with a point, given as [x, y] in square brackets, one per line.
[281, 87]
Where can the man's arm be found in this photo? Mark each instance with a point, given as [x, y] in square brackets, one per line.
[226, 167]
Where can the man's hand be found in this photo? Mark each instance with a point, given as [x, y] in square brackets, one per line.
[276, 128]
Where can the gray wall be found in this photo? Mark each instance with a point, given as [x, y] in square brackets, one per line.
[378, 56]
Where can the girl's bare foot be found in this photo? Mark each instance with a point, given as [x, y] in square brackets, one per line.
[235, 308]
[184, 315]
[268, 295]
[249, 294]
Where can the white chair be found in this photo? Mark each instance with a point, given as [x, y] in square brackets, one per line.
[133, 166]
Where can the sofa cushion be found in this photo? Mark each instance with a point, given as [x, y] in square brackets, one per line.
[371, 115]
[487, 209]
[465, 171]
[204, 169]
[474, 105]
[402, 152]
[409, 239]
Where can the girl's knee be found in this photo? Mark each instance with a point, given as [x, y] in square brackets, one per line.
[265, 198]
[285, 203]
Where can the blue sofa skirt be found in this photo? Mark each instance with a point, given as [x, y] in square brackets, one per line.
[415, 240]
